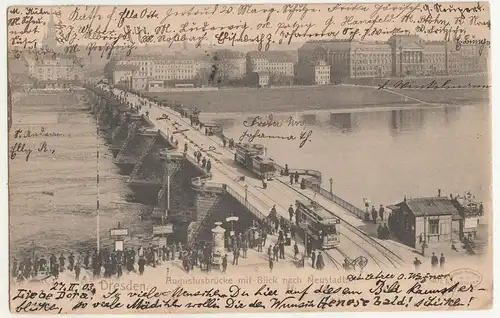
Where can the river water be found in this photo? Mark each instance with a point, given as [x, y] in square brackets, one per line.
[53, 195]
[383, 155]
[380, 155]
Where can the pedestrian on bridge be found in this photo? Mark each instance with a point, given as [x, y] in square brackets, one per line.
[203, 162]
[417, 264]
[282, 249]
[224, 263]
[209, 165]
[295, 250]
[374, 214]
[381, 212]
[320, 264]
[291, 179]
[296, 177]
[290, 212]
[442, 260]
[275, 252]
[236, 256]
[434, 261]
[313, 259]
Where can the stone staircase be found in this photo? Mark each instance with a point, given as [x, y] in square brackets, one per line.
[206, 204]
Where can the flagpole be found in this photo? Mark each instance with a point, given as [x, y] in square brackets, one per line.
[97, 179]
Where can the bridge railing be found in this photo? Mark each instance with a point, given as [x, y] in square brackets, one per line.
[244, 202]
[314, 175]
[312, 180]
[336, 199]
[201, 184]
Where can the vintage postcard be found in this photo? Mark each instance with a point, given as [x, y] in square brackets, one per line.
[249, 158]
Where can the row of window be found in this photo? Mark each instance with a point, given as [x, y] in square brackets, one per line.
[371, 68]
[156, 62]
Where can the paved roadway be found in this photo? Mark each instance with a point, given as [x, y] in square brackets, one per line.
[354, 242]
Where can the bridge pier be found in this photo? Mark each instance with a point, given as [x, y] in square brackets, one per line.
[138, 140]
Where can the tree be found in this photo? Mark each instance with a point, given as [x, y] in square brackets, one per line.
[223, 69]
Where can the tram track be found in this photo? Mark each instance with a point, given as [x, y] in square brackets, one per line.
[229, 173]
[367, 253]
[395, 260]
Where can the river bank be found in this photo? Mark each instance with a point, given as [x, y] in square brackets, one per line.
[53, 193]
[314, 98]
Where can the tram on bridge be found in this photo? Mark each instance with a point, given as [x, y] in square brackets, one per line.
[320, 224]
[251, 156]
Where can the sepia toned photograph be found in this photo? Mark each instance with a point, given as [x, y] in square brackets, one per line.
[249, 158]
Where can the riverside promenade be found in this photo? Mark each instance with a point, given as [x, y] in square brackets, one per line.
[227, 175]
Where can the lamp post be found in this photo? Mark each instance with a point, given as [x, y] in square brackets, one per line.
[246, 193]
[97, 181]
[331, 185]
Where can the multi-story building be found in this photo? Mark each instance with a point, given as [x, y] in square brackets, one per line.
[334, 53]
[369, 59]
[313, 73]
[123, 74]
[274, 62]
[259, 79]
[59, 72]
[161, 68]
[435, 58]
[401, 55]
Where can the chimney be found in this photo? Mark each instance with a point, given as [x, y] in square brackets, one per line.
[405, 198]
[439, 193]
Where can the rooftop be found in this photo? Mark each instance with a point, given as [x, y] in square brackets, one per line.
[433, 206]
[126, 67]
[272, 56]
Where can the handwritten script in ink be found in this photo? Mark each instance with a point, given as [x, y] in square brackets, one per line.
[257, 130]
[105, 31]
[253, 293]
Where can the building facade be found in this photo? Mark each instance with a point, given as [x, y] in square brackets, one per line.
[317, 73]
[62, 69]
[273, 62]
[400, 55]
[168, 68]
[123, 74]
[423, 222]
[259, 79]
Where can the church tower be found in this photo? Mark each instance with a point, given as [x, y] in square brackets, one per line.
[50, 34]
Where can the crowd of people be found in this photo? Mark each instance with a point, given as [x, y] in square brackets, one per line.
[103, 263]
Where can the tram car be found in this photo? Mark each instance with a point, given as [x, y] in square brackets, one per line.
[251, 156]
[320, 224]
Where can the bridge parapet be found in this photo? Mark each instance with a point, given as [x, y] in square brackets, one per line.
[332, 197]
